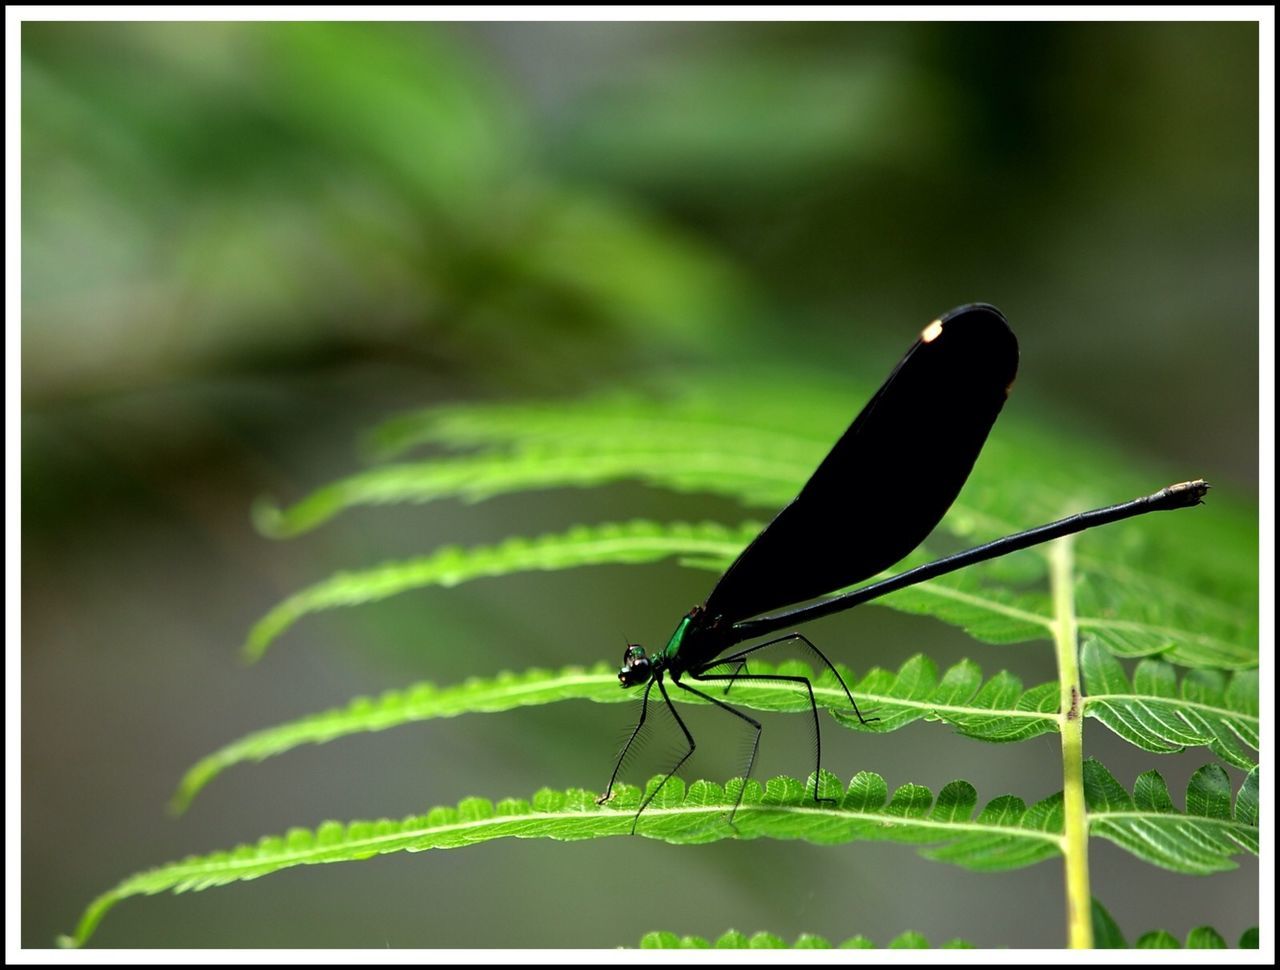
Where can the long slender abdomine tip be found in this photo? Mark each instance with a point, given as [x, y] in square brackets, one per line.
[1183, 494]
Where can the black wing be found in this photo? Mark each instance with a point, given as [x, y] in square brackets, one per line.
[890, 478]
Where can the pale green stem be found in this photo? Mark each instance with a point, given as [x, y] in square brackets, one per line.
[1075, 851]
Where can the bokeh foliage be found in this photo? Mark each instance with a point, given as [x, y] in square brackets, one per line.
[243, 240]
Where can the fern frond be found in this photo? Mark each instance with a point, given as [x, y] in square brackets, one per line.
[1006, 834]
[989, 612]
[1108, 936]
[1158, 714]
[632, 542]
[1146, 823]
[998, 710]
[755, 476]
[1138, 592]
[1211, 710]
[733, 940]
[968, 599]
[418, 702]
[656, 421]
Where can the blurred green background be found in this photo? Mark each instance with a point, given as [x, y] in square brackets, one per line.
[244, 243]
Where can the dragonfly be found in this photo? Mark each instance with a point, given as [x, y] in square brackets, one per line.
[884, 486]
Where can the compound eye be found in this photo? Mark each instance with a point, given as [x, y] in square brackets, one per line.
[633, 652]
[633, 673]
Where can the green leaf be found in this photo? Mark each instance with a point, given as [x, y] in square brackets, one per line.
[1205, 938]
[998, 711]
[987, 612]
[633, 542]
[811, 941]
[1200, 841]
[909, 941]
[1106, 933]
[683, 466]
[1187, 593]
[688, 419]
[733, 940]
[1158, 714]
[1004, 835]
[665, 940]
[1107, 936]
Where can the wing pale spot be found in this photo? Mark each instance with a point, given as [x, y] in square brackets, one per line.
[931, 332]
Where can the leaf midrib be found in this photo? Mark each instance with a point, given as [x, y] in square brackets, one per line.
[832, 693]
[1172, 632]
[1172, 815]
[571, 816]
[469, 700]
[1222, 712]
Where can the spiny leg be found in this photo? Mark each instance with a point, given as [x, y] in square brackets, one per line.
[667, 777]
[622, 755]
[813, 707]
[742, 665]
[740, 655]
[755, 744]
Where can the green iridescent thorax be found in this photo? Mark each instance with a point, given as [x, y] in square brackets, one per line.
[673, 645]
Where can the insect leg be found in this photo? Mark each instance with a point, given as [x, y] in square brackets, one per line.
[622, 755]
[755, 744]
[667, 777]
[740, 655]
[813, 706]
[742, 665]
